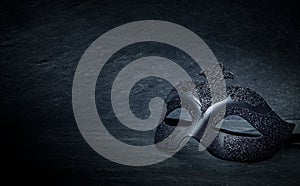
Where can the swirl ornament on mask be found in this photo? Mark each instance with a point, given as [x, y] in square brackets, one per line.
[231, 145]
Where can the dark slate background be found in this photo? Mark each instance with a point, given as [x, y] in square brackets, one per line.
[41, 43]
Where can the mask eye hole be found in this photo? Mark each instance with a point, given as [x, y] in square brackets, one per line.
[173, 117]
[238, 126]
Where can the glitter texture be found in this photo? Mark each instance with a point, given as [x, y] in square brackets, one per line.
[233, 147]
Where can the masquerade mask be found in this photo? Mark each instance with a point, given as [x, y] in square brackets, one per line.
[242, 146]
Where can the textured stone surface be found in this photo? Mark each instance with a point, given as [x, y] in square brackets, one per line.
[41, 43]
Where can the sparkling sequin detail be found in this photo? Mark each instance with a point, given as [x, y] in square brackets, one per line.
[275, 131]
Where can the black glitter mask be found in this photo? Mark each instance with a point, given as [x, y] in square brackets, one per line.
[275, 133]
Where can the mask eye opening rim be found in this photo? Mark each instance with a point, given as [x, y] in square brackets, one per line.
[239, 132]
[175, 121]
